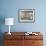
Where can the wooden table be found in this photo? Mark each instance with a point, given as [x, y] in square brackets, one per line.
[20, 39]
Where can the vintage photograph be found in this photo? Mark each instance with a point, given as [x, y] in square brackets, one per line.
[26, 15]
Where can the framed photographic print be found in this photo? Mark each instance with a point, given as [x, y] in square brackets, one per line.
[26, 15]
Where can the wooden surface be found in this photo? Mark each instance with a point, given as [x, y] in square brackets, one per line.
[20, 39]
[33, 43]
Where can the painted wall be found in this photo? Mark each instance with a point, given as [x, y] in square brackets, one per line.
[9, 8]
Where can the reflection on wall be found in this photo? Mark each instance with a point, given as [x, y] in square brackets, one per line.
[2, 21]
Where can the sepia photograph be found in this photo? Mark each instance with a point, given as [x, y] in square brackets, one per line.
[26, 15]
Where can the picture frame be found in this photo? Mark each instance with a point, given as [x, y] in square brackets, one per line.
[26, 15]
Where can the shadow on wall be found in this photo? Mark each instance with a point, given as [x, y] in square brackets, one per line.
[2, 21]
